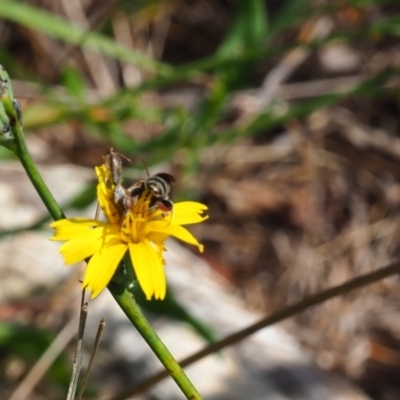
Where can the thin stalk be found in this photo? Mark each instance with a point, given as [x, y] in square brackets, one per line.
[131, 309]
[34, 175]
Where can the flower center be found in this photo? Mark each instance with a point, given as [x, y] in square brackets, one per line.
[135, 223]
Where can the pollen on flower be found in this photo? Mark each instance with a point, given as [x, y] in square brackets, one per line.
[139, 220]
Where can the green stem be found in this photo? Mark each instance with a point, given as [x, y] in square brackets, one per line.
[131, 309]
[35, 177]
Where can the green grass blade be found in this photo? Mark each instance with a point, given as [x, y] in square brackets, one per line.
[248, 30]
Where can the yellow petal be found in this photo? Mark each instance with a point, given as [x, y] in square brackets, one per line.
[181, 233]
[149, 269]
[188, 212]
[83, 246]
[102, 267]
[157, 271]
[104, 175]
[140, 265]
[66, 229]
[157, 237]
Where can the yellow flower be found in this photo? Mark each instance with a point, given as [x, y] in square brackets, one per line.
[139, 229]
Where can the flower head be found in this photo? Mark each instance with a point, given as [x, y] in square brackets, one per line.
[135, 226]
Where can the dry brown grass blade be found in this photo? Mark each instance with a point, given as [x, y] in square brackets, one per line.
[96, 345]
[79, 349]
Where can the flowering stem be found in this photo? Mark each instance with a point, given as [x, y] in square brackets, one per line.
[12, 137]
[127, 302]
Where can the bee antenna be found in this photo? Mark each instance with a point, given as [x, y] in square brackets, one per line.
[145, 167]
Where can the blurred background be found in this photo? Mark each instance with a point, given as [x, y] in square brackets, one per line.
[281, 116]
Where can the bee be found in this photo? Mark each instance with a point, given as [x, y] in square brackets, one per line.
[159, 186]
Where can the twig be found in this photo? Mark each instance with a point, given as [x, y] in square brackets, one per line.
[76, 368]
[99, 334]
